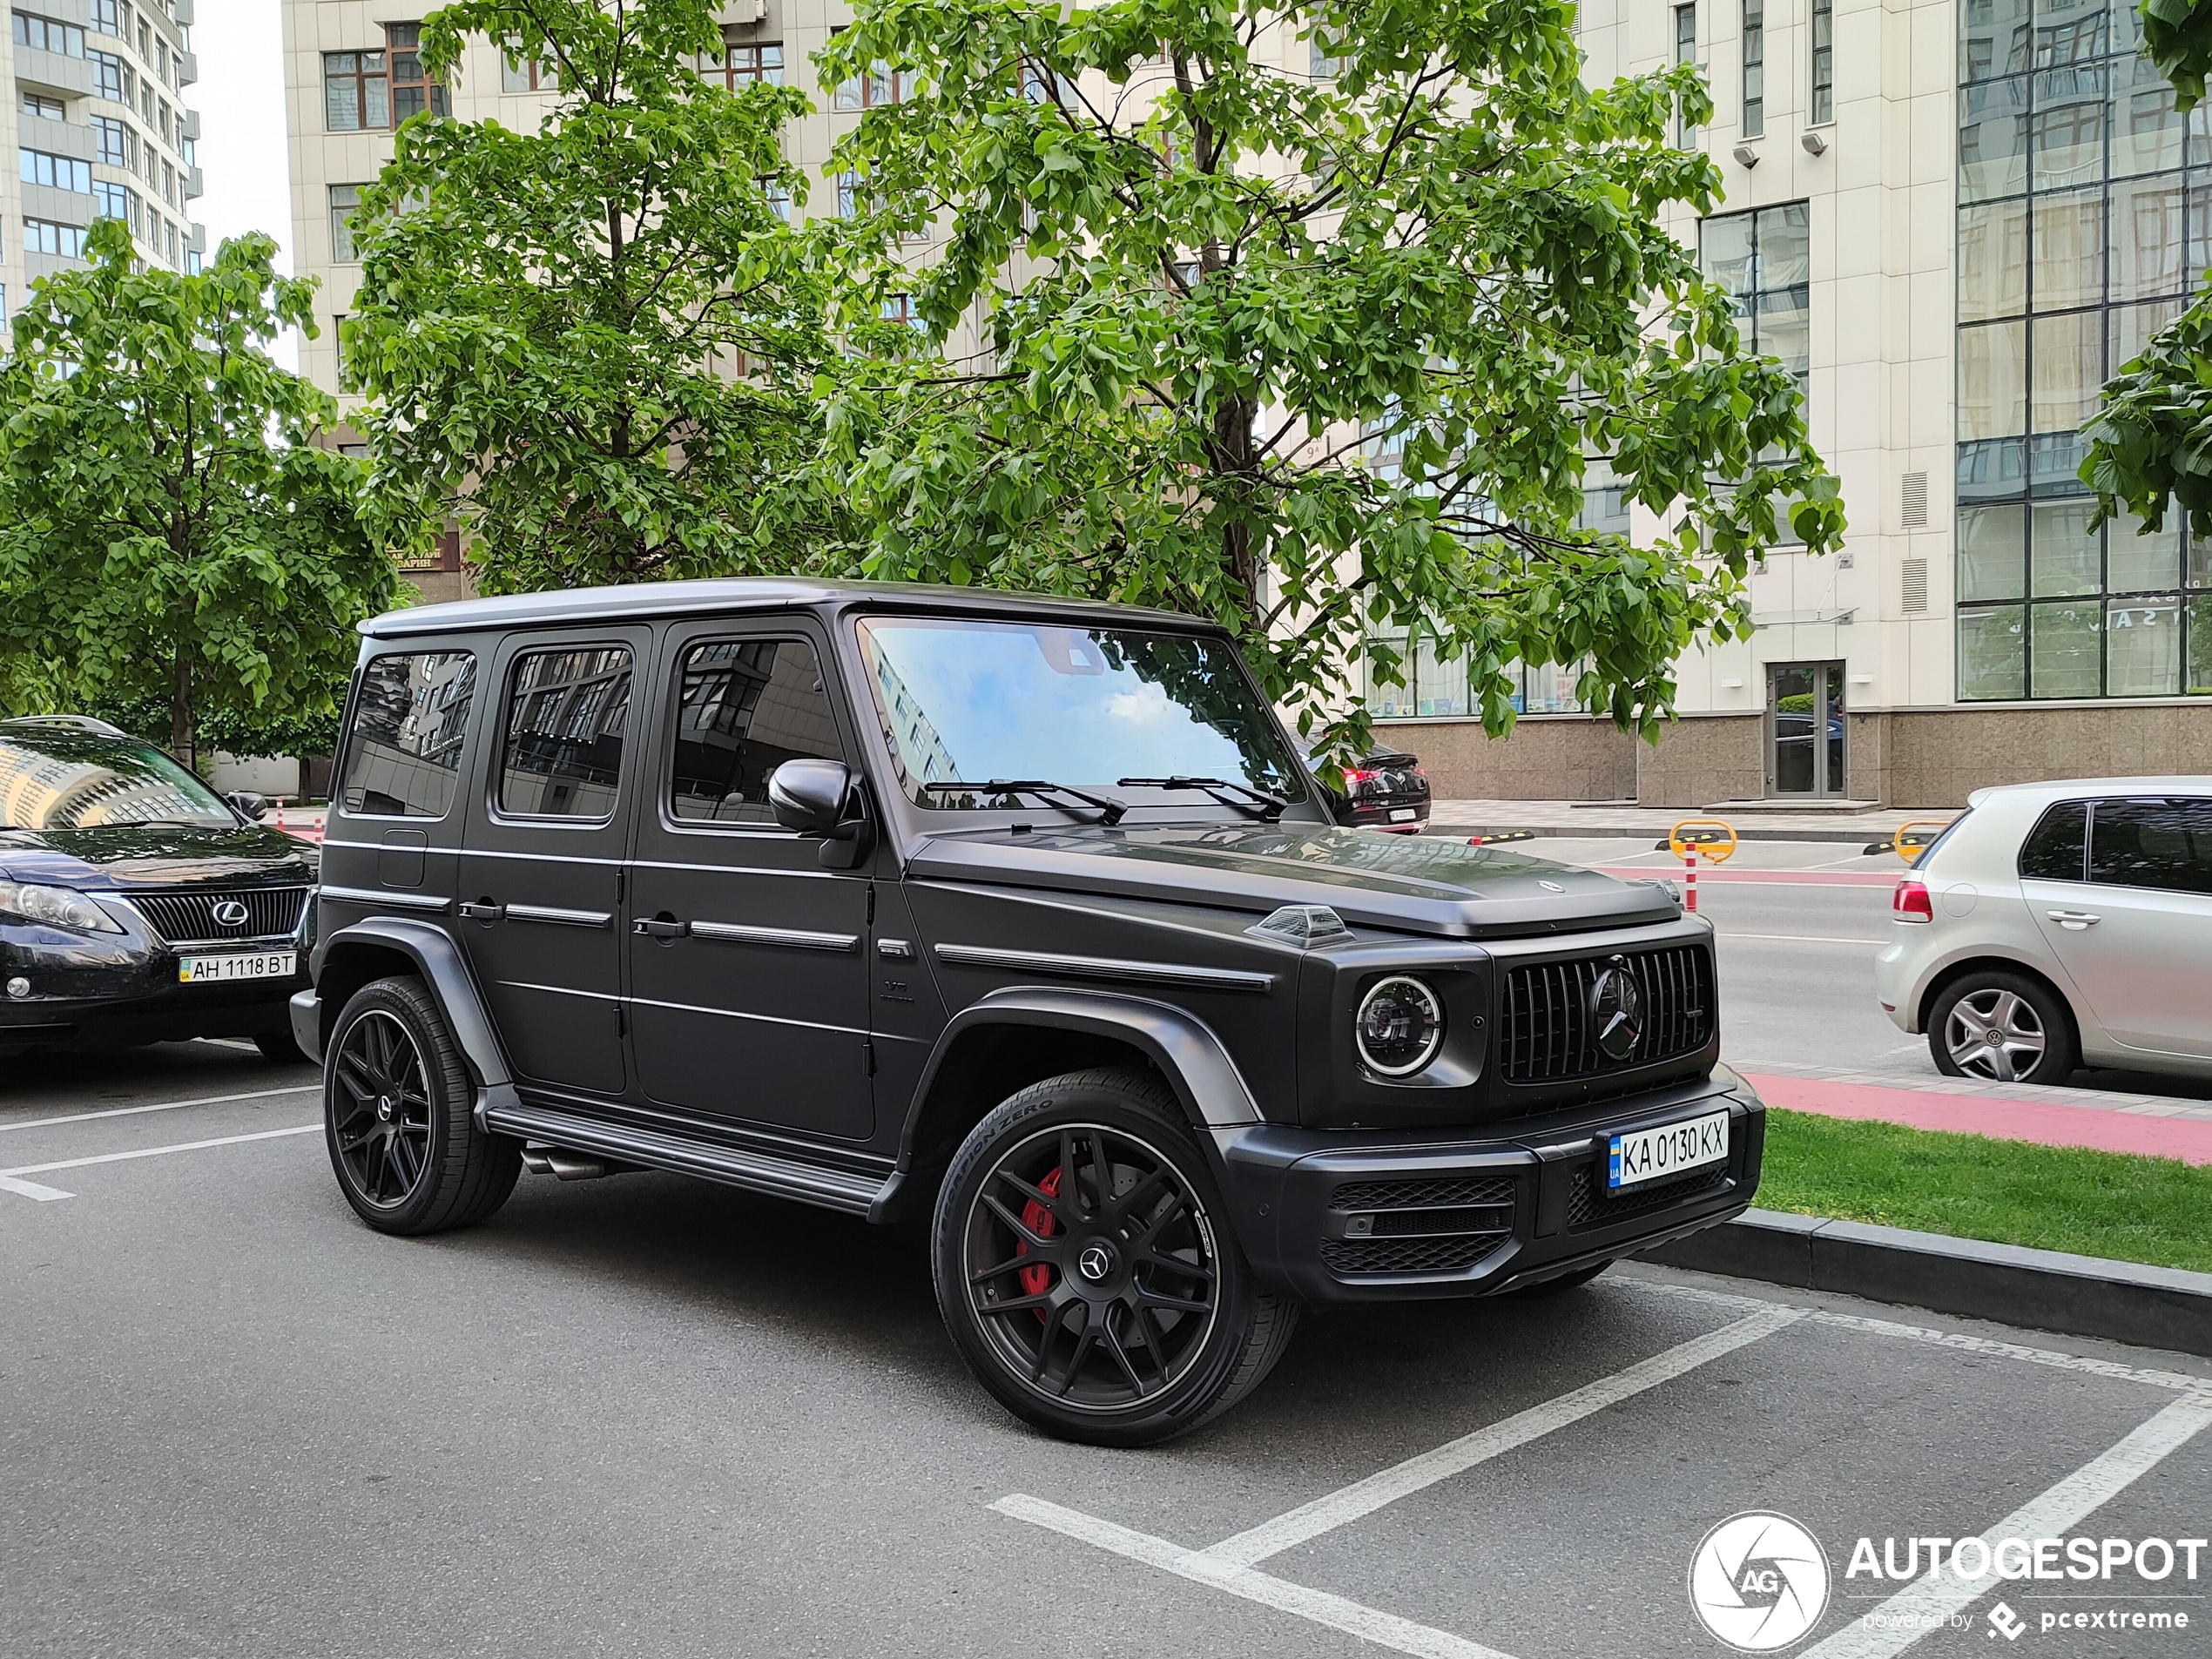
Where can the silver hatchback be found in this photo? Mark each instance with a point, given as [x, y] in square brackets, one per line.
[2058, 925]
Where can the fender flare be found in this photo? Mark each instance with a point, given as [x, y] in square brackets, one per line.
[439, 960]
[1193, 1059]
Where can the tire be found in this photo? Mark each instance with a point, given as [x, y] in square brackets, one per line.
[2037, 1041]
[397, 1120]
[1564, 1282]
[1172, 1331]
[281, 1047]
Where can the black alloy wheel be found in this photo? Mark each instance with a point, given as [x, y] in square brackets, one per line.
[1082, 1271]
[396, 1116]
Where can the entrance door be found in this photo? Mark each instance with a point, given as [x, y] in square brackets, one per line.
[1804, 754]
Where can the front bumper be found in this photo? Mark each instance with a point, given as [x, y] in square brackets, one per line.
[103, 989]
[1391, 1216]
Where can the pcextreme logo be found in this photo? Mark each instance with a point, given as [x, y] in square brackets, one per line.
[1758, 1582]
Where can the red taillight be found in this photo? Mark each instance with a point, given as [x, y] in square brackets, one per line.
[1910, 902]
[1354, 777]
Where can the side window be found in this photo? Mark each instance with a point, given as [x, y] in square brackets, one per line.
[2152, 843]
[560, 752]
[747, 705]
[403, 750]
[2053, 851]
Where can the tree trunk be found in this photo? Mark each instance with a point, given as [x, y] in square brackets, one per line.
[181, 720]
[1238, 469]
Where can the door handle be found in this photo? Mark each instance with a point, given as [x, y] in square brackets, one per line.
[656, 929]
[485, 911]
[2073, 921]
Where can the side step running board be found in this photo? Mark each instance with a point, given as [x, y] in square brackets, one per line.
[755, 1171]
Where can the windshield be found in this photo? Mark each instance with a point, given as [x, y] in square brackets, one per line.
[974, 701]
[68, 781]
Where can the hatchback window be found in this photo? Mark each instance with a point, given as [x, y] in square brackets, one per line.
[2152, 843]
[403, 751]
[2054, 849]
[78, 780]
[746, 706]
[566, 713]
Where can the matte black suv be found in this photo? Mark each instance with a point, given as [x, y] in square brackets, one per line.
[1022, 915]
[136, 904]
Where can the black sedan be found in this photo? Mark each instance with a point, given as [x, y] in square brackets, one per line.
[137, 905]
[1386, 791]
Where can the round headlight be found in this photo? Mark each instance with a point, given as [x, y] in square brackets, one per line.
[1399, 1027]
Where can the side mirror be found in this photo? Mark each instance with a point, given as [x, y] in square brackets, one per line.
[809, 796]
[251, 805]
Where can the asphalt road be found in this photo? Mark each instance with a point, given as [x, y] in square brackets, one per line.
[650, 1416]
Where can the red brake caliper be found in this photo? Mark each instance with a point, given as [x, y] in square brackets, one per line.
[1036, 1280]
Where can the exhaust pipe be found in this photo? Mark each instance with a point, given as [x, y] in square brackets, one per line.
[564, 1165]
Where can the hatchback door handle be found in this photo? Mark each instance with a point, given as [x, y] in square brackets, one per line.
[653, 929]
[2075, 920]
[485, 912]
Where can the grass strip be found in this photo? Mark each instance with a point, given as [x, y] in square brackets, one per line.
[2115, 1204]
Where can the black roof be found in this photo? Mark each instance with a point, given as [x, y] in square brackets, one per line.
[646, 600]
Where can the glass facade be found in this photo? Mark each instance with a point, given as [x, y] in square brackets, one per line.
[1764, 260]
[2085, 214]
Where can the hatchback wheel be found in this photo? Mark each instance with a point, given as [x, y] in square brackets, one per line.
[1086, 1272]
[2002, 1028]
[396, 1116]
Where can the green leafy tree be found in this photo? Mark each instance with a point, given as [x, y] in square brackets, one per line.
[168, 529]
[595, 344]
[1319, 354]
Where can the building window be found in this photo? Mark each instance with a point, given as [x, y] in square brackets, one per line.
[517, 75]
[1824, 62]
[46, 109]
[191, 262]
[849, 199]
[1685, 52]
[171, 238]
[161, 122]
[880, 86]
[43, 34]
[112, 17]
[115, 202]
[44, 236]
[168, 184]
[1754, 122]
[2083, 211]
[759, 65]
[412, 92]
[1764, 259]
[56, 173]
[900, 307]
[116, 146]
[111, 77]
[1437, 687]
[356, 91]
[1322, 63]
[344, 199]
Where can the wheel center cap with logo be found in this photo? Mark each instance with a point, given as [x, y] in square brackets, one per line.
[1759, 1582]
[1616, 1010]
[1096, 1261]
[384, 1108]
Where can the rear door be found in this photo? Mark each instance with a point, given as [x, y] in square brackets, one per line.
[749, 980]
[2135, 933]
[542, 858]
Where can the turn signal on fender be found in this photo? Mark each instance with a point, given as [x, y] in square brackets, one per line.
[1910, 902]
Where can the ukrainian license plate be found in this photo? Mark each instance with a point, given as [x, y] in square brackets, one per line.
[1673, 1149]
[1402, 815]
[205, 970]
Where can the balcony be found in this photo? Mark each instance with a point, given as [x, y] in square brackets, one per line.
[187, 68]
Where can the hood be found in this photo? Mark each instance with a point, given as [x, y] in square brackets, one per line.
[156, 855]
[1410, 884]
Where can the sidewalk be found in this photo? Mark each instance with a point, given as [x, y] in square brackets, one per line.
[1752, 820]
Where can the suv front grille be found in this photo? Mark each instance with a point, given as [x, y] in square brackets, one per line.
[1436, 1225]
[189, 918]
[1547, 1036]
[1591, 1205]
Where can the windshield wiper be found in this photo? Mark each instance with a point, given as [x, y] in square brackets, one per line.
[1258, 802]
[1110, 810]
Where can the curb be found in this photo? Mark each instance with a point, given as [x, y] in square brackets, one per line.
[2045, 1290]
[1861, 836]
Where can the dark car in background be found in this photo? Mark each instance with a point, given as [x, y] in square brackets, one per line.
[137, 905]
[1386, 791]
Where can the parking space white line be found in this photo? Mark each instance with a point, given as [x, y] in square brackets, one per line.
[160, 1151]
[163, 1106]
[1364, 1497]
[1365, 1624]
[32, 1190]
[1930, 1600]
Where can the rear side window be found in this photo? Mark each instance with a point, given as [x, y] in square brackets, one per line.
[561, 754]
[403, 750]
[2054, 849]
[745, 707]
[2152, 843]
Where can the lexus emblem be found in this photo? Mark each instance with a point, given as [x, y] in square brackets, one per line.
[1095, 1263]
[230, 913]
[1616, 1010]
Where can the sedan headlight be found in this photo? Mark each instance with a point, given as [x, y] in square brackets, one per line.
[55, 908]
[1399, 1026]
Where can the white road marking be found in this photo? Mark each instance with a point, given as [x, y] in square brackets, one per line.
[1455, 1457]
[1927, 1601]
[1802, 939]
[165, 1106]
[160, 1151]
[32, 1190]
[1366, 1624]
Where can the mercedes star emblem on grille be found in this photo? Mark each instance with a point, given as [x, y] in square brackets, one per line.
[1616, 1010]
[230, 912]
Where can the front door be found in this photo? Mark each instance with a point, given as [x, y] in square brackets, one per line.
[541, 860]
[749, 980]
[1804, 755]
